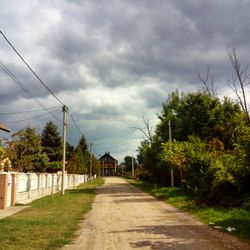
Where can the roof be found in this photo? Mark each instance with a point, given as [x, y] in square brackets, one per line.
[107, 155]
[4, 128]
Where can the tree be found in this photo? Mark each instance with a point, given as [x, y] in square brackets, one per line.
[69, 151]
[128, 162]
[51, 142]
[95, 165]
[147, 130]
[24, 149]
[1, 152]
[208, 82]
[239, 82]
[80, 160]
[175, 156]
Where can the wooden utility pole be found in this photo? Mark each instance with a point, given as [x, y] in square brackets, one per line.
[170, 148]
[90, 163]
[133, 170]
[65, 111]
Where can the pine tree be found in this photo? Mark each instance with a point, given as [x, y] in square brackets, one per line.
[51, 142]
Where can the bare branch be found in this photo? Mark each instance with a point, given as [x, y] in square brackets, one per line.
[208, 82]
[147, 131]
[240, 82]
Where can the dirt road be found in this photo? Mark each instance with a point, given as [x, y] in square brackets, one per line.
[125, 218]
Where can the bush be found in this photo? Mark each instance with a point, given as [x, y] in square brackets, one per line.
[200, 169]
[54, 166]
[224, 193]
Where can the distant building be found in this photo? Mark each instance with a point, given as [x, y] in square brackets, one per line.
[108, 165]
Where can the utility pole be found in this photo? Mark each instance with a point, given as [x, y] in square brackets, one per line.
[65, 111]
[102, 168]
[170, 148]
[115, 167]
[133, 170]
[90, 163]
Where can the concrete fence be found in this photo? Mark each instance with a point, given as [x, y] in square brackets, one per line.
[18, 187]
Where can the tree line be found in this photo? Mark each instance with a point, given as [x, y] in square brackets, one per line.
[32, 152]
[210, 151]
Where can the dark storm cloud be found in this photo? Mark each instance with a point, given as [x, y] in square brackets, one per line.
[112, 59]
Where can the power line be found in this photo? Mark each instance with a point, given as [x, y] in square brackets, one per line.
[34, 73]
[26, 111]
[28, 119]
[27, 91]
[78, 129]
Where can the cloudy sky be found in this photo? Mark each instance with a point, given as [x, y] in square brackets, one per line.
[110, 61]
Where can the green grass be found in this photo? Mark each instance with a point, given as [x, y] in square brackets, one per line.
[238, 218]
[48, 223]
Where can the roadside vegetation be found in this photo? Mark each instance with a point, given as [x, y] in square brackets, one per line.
[29, 151]
[204, 140]
[50, 222]
[209, 153]
[234, 220]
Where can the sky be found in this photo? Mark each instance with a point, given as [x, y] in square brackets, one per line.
[112, 61]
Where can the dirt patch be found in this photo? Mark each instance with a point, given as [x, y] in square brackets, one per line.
[126, 218]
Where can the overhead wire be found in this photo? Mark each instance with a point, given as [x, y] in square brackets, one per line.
[28, 119]
[26, 90]
[78, 129]
[36, 75]
[25, 111]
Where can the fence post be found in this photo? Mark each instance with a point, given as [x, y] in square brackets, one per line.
[13, 189]
[17, 186]
[52, 187]
[3, 190]
[46, 183]
[39, 184]
[29, 185]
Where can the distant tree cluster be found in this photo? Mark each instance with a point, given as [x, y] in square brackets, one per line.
[210, 151]
[31, 152]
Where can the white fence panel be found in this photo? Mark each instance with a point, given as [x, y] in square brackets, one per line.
[33, 181]
[22, 182]
[49, 180]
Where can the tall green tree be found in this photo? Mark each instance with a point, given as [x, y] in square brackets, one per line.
[51, 142]
[80, 158]
[25, 151]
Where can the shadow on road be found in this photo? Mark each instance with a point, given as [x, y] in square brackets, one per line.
[171, 237]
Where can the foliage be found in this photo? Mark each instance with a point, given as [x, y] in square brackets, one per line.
[30, 152]
[95, 165]
[128, 162]
[54, 166]
[1, 152]
[24, 150]
[210, 153]
[51, 142]
[79, 161]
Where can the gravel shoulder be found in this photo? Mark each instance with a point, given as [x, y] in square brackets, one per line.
[122, 217]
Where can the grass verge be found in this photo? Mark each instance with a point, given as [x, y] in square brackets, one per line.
[237, 218]
[49, 223]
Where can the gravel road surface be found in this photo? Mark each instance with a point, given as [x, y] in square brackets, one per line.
[123, 218]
